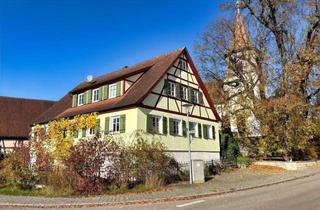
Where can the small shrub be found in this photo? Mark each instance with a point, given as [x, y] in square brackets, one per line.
[16, 168]
[243, 161]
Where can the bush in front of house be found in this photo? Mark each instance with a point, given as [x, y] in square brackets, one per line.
[243, 161]
[16, 169]
[89, 159]
[95, 166]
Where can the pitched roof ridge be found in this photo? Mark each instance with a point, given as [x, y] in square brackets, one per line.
[26, 99]
[142, 62]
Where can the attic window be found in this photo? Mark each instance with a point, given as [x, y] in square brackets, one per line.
[183, 65]
[80, 99]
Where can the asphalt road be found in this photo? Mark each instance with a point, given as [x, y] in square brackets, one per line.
[302, 194]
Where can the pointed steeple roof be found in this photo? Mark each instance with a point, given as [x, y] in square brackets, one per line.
[241, 38]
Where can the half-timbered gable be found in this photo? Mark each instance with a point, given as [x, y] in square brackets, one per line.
[178, 86]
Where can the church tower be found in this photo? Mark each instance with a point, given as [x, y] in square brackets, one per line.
[242, 80]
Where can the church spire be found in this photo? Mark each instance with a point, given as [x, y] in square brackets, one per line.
[241, 37]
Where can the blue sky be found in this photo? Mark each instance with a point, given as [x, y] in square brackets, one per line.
[49, 46]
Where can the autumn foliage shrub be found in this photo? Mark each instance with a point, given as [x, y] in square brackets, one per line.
[89, 160]
[17, 170]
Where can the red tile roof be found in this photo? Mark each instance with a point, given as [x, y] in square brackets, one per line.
[16, 115]
[153, 70]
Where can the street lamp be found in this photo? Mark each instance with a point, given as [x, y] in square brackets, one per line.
[187, 107]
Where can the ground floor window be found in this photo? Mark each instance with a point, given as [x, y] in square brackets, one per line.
[115, 124]
[209, 131]
[195, 129]
[176, 127]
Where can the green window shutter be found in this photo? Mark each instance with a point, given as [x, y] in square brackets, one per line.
[201, 98]
[213, 132]
[97, 126]
[171, 126]
[84, 132]
[178, 86]
[199, 131]
[74, 100]
[85, 97]
[105, 92]
[89, 96]
[166, 87]
[100, 93]
[106, 125]
[149, 124]
[190, 124]
[190, 91]
[118, 88]
[205, 131]
[164, 126]
[122, 123]
[184, 128]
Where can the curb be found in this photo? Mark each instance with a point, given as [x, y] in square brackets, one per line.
[149, 201]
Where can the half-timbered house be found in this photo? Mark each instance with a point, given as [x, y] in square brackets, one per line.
[149, 96]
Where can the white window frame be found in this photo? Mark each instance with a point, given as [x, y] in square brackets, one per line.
[81, 96]
[209, 130]
[95, 92]
[160, 126]
[111, 124]
[196, 129]
[113, 90]
[184, 93]
[179, 127]
[172, 89]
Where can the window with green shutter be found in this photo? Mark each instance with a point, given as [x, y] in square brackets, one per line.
[176, 127]
[156, 124]
[122, 123]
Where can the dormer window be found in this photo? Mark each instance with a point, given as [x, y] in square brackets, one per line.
[113, 90]
[95, 95]
[80, 99]
[183, 64]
